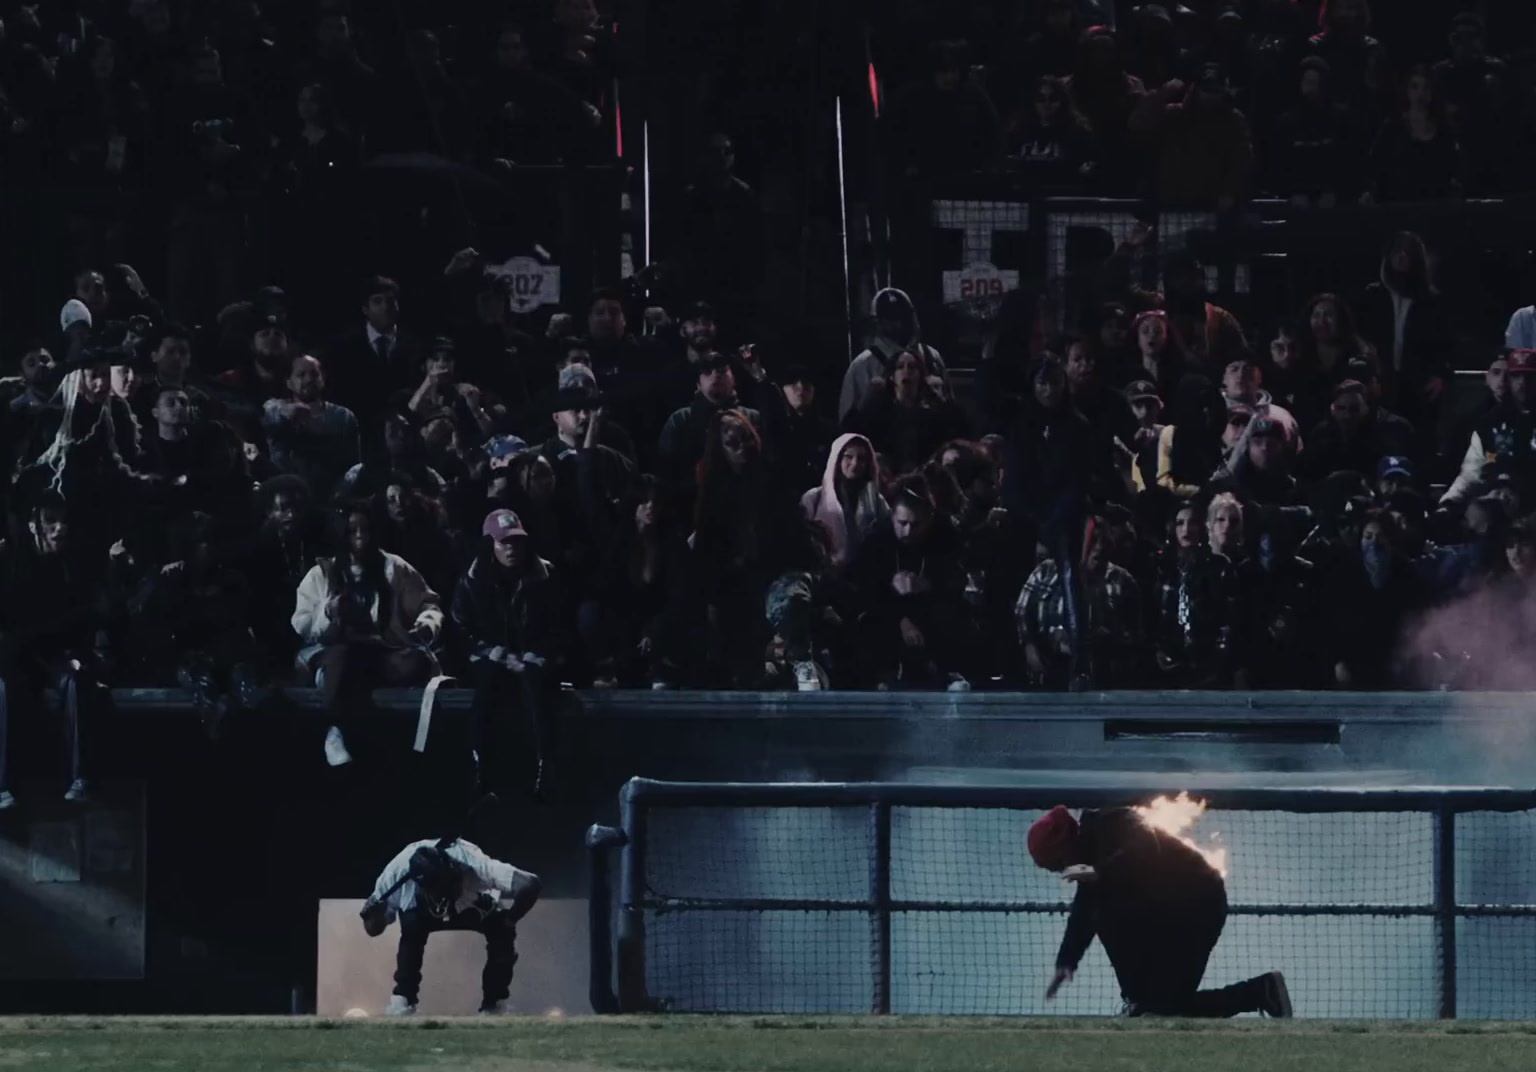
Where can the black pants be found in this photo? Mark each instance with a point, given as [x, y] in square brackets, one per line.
[500, 931]
[79, 693]
[1159, 953]
[347, 674]
[513, 729]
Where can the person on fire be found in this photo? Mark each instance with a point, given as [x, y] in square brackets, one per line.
[437, 886]
[1158, 908]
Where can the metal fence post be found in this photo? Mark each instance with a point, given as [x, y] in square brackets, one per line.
[601, 841]
[880, 903]
[1445, 906]
[631, 944]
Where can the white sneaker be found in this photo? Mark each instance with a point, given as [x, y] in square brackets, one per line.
[808, 677]
[77, 791]
[7, 800]
[496, 1009]
[957, 683]
[398, 1006]
[336, 753]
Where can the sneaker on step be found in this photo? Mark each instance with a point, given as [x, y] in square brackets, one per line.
[398, 1006]
[1275, 999]
[494, 1008]
[77, 791]
[7, 800]
[808, 677]
[957, 683]
[336, 753]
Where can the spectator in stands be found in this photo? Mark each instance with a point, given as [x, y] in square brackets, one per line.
[896, 330]
[1200, 142]
[1241, 384]
[198, 459]
[507, 609]
[802, 435]
[1331, 339]
[1500, 447]
[1367, 600]
[1224, 526]
[1495, 388]
[1196, 612]
[373, 361]
[262, 376]
[907, 420]
[1164, 360]
[274, 560]
[1316, 157]
[1356, 436]
[528, 118]
[1104, 651]
[1054, 463]
[948, 125]
[308, 436]
[1190, 450]
[847, 503]
[1259, 466]
[53, 633]
[1403, 315]
[1280, 598]
[724, 227]
[39, 381]
[910, 584]
[440, 391]
[1475, 89]
[171, 359]
[411, 525]
[1211, 334]
[684, 436]
[1106, 410]
[1147, 407]
[1051, 142]
[366, 618]
[745, 534]
[1416, 156]
[1104, 93]
[1358, 61]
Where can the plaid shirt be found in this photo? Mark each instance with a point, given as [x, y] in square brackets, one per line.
[1112, 605]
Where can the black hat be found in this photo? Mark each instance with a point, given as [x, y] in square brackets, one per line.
[441, 345]
[712, 361]
[1141, 390]
[268, 318]
[796, 373]
[699, 310]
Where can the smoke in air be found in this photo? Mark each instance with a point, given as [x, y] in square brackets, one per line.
[1177, 816]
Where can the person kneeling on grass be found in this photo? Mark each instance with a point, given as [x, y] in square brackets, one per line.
[1158, 908]
[431, 888]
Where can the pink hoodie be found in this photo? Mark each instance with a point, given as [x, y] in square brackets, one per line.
[822, 504]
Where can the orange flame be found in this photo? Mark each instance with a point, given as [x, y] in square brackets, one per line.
[1176, 816]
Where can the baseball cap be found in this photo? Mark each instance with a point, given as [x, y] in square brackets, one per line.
[504, 446]
[699, 310]
[1141, 390]
[711, 362]
[1394, 465]
[1522, 361]
[502, 525]
[74, 312]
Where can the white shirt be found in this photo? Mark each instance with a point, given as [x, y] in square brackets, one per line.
[1521, 333]
[374, 335]
[481, 874]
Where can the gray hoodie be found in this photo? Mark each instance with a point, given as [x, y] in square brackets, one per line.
[877, 361]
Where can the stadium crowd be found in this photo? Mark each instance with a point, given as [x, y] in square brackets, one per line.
[234, 487]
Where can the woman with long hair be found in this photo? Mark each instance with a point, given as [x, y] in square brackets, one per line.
[1162, 356]
[910, 419]
[744, 535]
[847, 503]
[1416, 156]
[1330, 339]
[367, 618]
[1049, 140]
[1402, 314]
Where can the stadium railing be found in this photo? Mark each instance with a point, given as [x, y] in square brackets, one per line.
[905, 898]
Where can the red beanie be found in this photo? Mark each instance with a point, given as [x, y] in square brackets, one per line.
[1051, 838]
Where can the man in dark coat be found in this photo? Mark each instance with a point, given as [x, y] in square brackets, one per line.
[1158, 908]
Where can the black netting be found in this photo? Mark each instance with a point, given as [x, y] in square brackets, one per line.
[770, 909]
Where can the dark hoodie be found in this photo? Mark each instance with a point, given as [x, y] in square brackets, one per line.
[878, 361]
[1204, 150]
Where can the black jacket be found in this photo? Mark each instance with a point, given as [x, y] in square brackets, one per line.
[495, 608]
[1142, 874]
[1197, 609]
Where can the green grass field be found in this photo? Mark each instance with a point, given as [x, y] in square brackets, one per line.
[758, 1044]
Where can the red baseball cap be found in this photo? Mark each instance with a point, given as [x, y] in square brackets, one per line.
[502, 525]
[1052, 837]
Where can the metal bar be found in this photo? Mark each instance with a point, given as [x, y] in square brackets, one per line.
[802, 904]
[1445, 907]
[631, 945]
[601, 840]
[1005, 797]
[880, 903]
